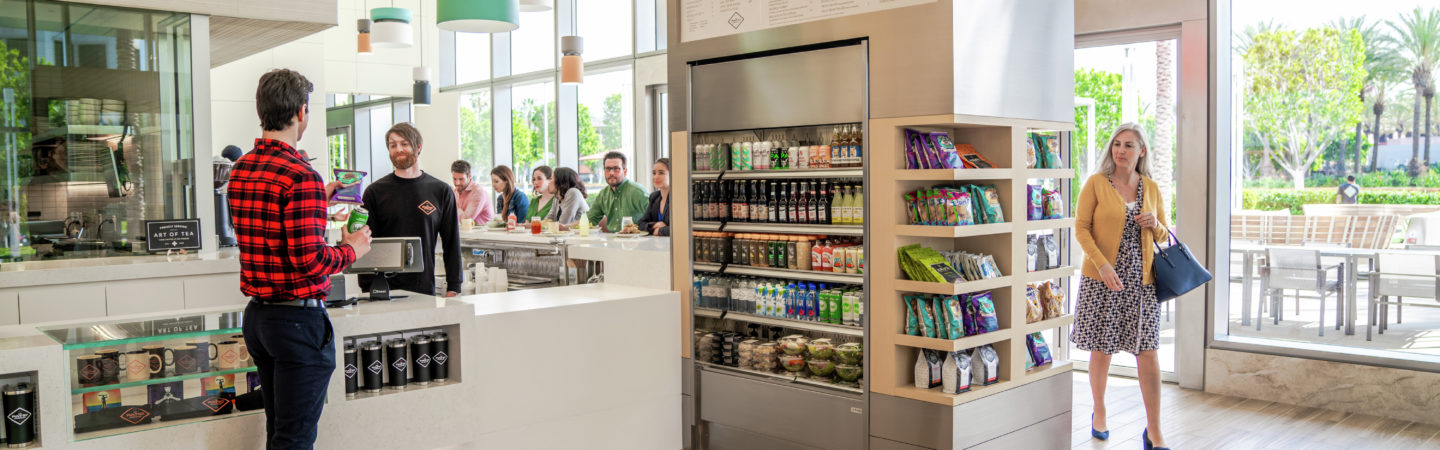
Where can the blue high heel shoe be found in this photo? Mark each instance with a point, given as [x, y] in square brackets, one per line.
[1101, 435]
[1148, 446]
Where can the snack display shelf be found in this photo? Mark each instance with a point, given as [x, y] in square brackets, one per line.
[956, 231]
[949, 345]
[954, 174]
[193, 376]
[957, 288]
[935, 395]
[783, 322]
[1048, 324]
[806, 275]
[782, 228]
[785, 377]
[1048, 173]
[843, 172]
[1032, 225]
[1045, 371]
[1049, 274]
[160, 424]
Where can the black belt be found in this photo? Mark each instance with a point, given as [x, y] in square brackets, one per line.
[302, 303]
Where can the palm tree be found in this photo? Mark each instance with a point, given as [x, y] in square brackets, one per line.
[1418, 36]
[1382, 67]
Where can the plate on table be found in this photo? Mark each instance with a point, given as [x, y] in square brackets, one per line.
[559, 234]
[632, 235]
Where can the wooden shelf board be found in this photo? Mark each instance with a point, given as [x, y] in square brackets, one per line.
[1049, 370]
[948, 345]
[937, 396]
[1049, 324]
[954, 232]
[953, 174]
[953, 288]
[1049, 274]
[1033, 225]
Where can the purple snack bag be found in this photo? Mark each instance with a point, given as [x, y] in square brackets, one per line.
[945, 151]
[968, 310]
[985, 320]
[932, 155]
[1035, 342]
[1035, 210]
[912, 150]
[352, 186]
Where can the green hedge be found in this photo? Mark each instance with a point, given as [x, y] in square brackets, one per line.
[1293, 200]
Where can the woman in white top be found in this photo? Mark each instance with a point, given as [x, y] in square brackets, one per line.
[570, 192]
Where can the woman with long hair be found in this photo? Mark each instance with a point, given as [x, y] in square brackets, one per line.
[570, 191]
[511, 200]
[1119, 217]
[544, 193]
[657, 217]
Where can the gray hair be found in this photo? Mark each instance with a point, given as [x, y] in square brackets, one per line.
[1107, 165]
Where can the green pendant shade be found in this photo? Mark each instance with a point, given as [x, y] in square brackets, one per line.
[478, 16]
[396, 14]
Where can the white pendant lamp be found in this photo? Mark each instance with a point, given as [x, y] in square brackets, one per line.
[536, 5]
[477, 16]
[392, 28]
[572, 67]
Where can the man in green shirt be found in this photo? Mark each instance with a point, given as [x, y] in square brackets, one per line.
[623, 198]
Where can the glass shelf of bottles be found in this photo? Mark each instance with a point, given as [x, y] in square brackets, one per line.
[782, 149]
[836, 202]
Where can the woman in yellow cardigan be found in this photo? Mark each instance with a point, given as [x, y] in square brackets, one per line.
[1118, 219]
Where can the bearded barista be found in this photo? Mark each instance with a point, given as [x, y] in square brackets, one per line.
[410, 203]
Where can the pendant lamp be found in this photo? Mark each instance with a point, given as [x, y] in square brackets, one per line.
[421, 88]
[362, 40]
[572, 68]
[477, 16]
[392, 28]
[536, 5]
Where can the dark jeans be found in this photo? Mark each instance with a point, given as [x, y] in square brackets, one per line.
[294, 352]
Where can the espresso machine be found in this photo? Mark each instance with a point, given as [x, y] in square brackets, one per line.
[223, 227]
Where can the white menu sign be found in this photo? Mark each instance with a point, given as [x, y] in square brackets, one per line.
[704, 19]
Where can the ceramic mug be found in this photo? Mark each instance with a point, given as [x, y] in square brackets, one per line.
[158, 365]
[233, 355]
[139, 365]
[185, 361]
[205, 352]
[87, 370]
[109, 365]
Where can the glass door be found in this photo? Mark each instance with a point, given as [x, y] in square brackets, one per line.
[1124, 83]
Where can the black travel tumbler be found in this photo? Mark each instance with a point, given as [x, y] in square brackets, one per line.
[352, 371]
[440, 357]
[18, 402]
[420, 356]
[396, 366]
[372, 367]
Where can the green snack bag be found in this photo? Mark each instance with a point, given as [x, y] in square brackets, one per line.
[956, 314]
[911, 209]
[992, 201]
[927, 317]
[977, 204]
[933, 266]
[912, 322]
[942, 320]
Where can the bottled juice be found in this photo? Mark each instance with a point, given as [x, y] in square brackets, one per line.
[857, 206]
[536, 226]
[815, 251]
[836, 146]
[859, 158]
[510, 222]
[827, 257]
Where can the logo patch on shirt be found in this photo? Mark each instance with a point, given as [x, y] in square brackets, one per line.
[427, 207]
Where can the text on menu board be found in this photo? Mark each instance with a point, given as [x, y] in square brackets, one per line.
[704, 19]
[166, 235]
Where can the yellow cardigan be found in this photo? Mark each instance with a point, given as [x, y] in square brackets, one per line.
[1100, 219]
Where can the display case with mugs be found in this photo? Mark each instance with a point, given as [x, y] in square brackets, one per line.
[138, 374]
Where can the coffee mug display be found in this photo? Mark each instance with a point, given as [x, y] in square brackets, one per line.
[204, 353]
[87, 370]
[233, 355]
[244, 350]
[161, 361]
[185, 361]
[139, 365]
[109, 365]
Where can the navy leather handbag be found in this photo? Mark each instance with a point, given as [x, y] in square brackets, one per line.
[1176, 270]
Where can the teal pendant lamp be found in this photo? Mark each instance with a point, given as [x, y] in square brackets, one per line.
[478, 16]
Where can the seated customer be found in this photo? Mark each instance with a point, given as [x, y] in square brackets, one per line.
[570, 191]
[657, 216]
[510, 200]
[622, 198]
[470, 197]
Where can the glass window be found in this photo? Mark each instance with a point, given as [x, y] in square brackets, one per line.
[532, 129]
[532, 46]
[381, 118]
[1357, 110]
[80, 171]
[606, 115]
[606, 26]
[472, 57]
[342, 154]
[477, 132]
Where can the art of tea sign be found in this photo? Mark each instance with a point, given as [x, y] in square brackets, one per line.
[166, 235]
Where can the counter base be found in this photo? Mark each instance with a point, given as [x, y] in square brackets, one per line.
[1035, 415]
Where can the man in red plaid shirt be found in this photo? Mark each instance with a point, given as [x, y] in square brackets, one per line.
[278, 204]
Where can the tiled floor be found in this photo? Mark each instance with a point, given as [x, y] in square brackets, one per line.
[1196, 420]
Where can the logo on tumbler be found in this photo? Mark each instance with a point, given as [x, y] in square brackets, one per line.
[441, 357]
[399, 364]
[350, 371]
[376, 367]
[229, 356]
[134, 415]
[19, 416]
[90, 373]
[186, 363]
[423, 360]
[215, 403]
[137, 368]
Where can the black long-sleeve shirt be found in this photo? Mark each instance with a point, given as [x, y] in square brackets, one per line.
[424, 207]
[654, 214]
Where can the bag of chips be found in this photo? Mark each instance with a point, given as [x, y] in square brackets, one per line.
[942, 318]
[964, 208]
[956, 314]
[984, 366]
[1050, 252]
[927, 317]
[1052, 152]
[912, 150]
[925, 264]
[945, 149]
[927, 369]
[1035, 342]
[1052, 208]
[352, 186]
[912, 318]
[1035, 207]
[985, 320]
[955, 376]
[993, 212]
[1033, 311]
[1032, 249]
[1053, 297]
[1030, 160]
[972, 158]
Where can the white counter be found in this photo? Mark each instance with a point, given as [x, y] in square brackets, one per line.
[91, 270]
[588, 366]
[639, 261]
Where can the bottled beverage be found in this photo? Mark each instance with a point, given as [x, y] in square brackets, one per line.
[859, 158]
[510, 222]
[742, 203]
[827, 262]
[758, 213]
[795, 204]
[857, 206]
[815, 251]
[802, 201]
[812, 204]
[837, 215]
[772, 207]
[822, 204]
[836, 146]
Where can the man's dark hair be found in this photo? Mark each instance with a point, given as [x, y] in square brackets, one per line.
[232, 153]
[616, 155]
[281, 95]
[460, 166]
[1350, 178]
[408, 132]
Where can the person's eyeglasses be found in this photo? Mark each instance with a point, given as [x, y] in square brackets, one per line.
[614, 169]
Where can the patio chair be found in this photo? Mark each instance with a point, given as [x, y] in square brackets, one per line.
[1401, 275]
[1298, 269]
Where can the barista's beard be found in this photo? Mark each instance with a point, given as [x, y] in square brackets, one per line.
[403, 161]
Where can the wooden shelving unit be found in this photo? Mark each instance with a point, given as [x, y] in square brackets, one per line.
[892, 353]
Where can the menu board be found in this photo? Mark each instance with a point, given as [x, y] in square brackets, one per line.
[704, 19]
[166, 235]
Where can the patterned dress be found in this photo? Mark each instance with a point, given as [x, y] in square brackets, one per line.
[1126, 321]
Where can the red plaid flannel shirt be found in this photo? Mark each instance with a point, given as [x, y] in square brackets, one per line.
[277, 202]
